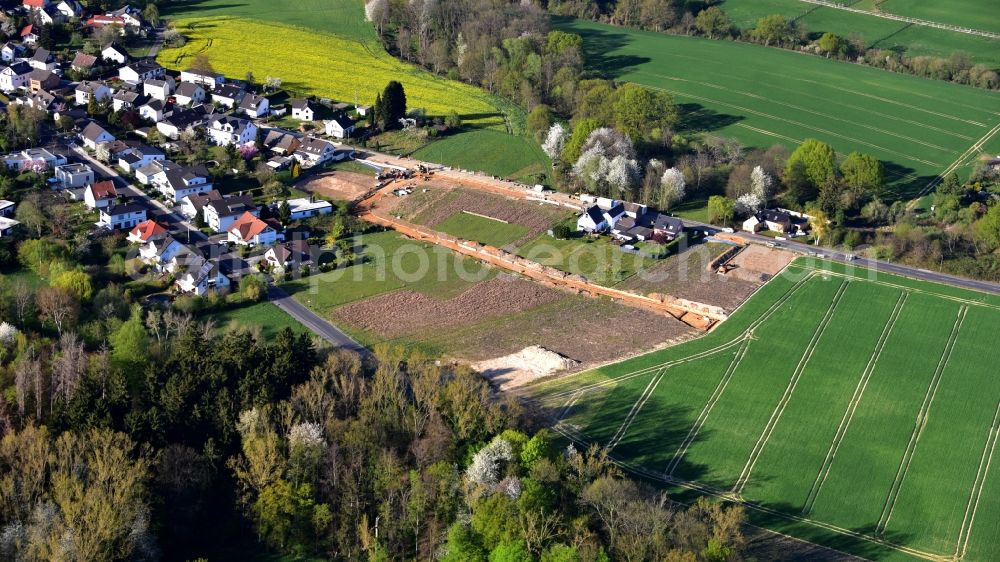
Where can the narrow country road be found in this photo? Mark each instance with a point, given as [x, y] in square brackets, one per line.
[314, 322]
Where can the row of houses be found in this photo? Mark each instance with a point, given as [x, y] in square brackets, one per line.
[628, 222]
[48, 12]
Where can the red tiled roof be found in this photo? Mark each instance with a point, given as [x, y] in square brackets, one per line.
[27, 30]
[104, 190]
[34, 3]
[248, 226]
[146, 230]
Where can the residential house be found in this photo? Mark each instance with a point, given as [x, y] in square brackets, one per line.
[278, 163]
[177, 184]
[91, 89]
[210, 79]
[362, 110]
[11, 51]
[100, 194]
[255, 106]
[15, 76]
[304, 208]
[102, 20]
[778, 220]
[225, 130]
[7, 208]
[228, 95]
[33, 5]
[189, 93]
[39, 80]
[152, 110]
[40, 100]
[249, 230]
[74, 113]
[94, 134]
[595, 219]
[124, 100]
[43, 60]
[155, 171]
[179, 121]
[201, 276]
[159, 89]
[114, 53]
[7, 226]
[140, 71]
[83, 63]
[666, 228]
[220, 214]
[121, 216]
[314, 151]
[303, 110]
[281, 142]
[69, 8]
[28, 35]
[289, 255]
[33, 158]
[339, 127]
[147, 231]
[131, 17]
[192, 206]
[158, 251]
[634, 210]
[138, 156]
[74, 175]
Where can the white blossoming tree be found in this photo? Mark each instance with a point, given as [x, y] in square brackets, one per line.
[8, 333]
[760, 184]
[555, 140]
[749, 203]
[607, 164]
[486, 464]
[672, 188]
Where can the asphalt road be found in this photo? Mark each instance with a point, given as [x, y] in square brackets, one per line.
[862, 262]
[315, 323]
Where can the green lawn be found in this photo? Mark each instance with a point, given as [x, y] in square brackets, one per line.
[597, 259]
[494, 152]
[857, 410]
[391, 263]
[339, 17]
[483, 230]
[875, 31]
[763, 96]
[267, 316]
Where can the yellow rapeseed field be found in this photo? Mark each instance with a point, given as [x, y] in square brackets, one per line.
[322, 64]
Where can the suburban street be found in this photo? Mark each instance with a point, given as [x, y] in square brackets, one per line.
[314, 322]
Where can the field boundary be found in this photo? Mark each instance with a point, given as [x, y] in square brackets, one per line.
[719, 348]
[779, 408]
[978, 145]
[852, 406]
[905, 19]
[919, 424]
[703, 489]
[977, 486]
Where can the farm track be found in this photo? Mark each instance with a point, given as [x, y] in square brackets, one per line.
[919, 425]
[779, 409]
[859, 391]
[905, 19]
[636, 408]
[977, 487]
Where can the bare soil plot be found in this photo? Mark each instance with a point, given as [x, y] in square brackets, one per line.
[442, 201]
[518, 369]
[686, 275]
[346, 186]
[580, 328]
[758, 263]
[404, 313]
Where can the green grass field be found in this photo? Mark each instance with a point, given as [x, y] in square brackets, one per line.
[761, 96]
[977, 14]
[848, 408]
[493, 152]
[594, 258]
[876, 32]
[483, 230]
[267, 316]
